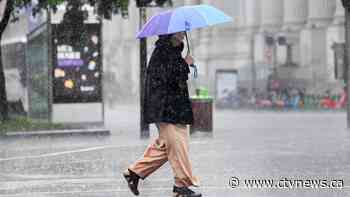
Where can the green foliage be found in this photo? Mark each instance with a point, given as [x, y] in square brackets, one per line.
[25, 124]
[104, 8]
[107, 8]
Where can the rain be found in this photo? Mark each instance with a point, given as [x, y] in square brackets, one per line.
[264, 81]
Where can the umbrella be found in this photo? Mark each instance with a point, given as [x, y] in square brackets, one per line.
[183, 19]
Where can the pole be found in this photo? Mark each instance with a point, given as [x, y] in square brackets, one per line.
[188, 44]
[274, 62]
[253, 66]
[144, 128]
[50, 65]
[347, 59]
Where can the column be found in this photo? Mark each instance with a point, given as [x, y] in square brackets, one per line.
[315, 44]
[271, 15]
[294, 19]
[252, 13]
[295, 14]
[339, 16]
[321, 12]
[335, 34]
[271, 23]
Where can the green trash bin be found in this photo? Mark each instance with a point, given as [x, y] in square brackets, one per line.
[202, 107]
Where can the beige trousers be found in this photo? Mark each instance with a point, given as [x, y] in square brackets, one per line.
[171, 145]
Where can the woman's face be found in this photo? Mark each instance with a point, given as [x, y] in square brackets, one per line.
[179, 37]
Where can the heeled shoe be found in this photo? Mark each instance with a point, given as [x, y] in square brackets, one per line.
[133, 180]
[185, 192]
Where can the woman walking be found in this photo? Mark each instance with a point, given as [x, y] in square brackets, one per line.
[167, 104]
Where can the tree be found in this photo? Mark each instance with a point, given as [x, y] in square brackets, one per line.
[104, 9]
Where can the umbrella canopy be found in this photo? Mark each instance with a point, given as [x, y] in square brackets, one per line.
[183, 19]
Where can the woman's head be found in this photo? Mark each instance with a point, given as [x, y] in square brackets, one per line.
[166, 36]
[175, 38]
[179, 36]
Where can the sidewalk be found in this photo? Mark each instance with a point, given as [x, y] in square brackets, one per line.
[97, 131]
[264, 145]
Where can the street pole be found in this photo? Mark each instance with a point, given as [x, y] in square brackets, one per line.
[253, 66]
[50, 64]
[274, 62]
[144, 128]
[347, 60]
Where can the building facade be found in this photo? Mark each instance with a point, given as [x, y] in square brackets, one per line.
[299, 53]
[290, 40]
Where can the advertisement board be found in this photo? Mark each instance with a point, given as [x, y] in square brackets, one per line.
[226, 84]
[77, 65]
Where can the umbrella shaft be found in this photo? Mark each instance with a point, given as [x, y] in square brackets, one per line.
[188, 45]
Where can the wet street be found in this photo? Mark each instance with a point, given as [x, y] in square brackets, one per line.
[247, 145]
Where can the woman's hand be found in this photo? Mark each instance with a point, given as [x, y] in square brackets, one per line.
[189, 59]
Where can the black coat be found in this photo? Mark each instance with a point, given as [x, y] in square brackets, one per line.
[166, 92]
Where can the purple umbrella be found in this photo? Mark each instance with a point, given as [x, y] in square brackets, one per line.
[183, 19]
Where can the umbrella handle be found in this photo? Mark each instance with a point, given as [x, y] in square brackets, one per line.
[195, 74]
[188, 45]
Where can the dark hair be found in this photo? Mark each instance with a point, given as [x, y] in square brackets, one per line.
[165, 36]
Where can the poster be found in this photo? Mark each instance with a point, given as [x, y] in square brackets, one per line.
[77, 64]
[226, 84]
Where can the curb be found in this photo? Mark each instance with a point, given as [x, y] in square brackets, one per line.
[59, 132]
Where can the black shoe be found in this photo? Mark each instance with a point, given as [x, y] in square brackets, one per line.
[133, 180]
[184, 192]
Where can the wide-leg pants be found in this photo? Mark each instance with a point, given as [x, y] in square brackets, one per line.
[172, 145]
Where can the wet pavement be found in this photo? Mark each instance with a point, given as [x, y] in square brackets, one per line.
[247, 145]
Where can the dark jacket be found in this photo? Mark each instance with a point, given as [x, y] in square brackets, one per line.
[166, 92]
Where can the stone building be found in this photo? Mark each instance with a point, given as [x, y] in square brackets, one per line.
[301, 55]
[308, 29]
[290, 40]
